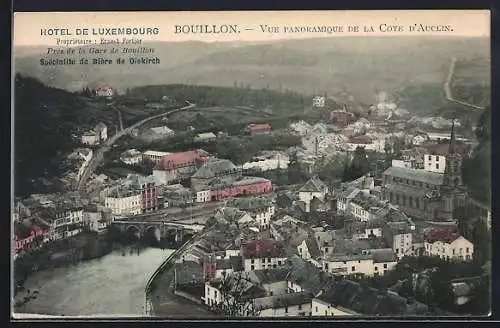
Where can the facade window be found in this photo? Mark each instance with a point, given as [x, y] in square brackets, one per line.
[437, 158]
[268, 260]
[430, 158]
[397, 198]
[385, 265]
[326, 250]
[397, 250]
[279, 262]
[437, 166]
[263, 260]
[353, 268]
[376, 268]
[417, 202]
[453, 251]
[467, 250]
[316, 309]
[252, 261]
[410, 200]
[300, 306]
[286, 309]
[404, 200]
[252, 267]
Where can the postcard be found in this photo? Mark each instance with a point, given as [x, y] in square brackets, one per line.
[292, 164]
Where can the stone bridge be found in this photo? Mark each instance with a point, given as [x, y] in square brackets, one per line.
[159, 229]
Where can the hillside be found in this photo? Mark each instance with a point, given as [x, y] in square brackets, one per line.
[356, 66]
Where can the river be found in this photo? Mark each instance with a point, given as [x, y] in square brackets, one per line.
[111, 285]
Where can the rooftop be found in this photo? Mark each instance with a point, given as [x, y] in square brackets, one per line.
[313, 185]
[415, 174]
[443, 235]
[215, 167]
[283, 300]
[181, 159]
[250, 204]
[263, 248]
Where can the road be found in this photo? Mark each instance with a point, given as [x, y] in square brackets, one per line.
[447, 87]
[106, 146]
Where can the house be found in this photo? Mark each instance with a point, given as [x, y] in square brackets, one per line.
[309, 249]
[365, 208]
[175, 166]
[314, 188]
[262, 254]
[399, 236]
[304, 276]
[220, 188]
[223, 267]
[284, 305]
[158, 132]
[342, 118]
[102, 131]
[205, 137]
[261, 209]
[219, 293]
[123, 201]
[65, 219]
[131, 157]
[30, 234]
[435, 159]
[274, 281]
[176, 195]
[448, 245]
[96, 219]
[154, 156]
[365, 142]
[259, 128]
[233, 215]
[418, 139]
[318, 101]
[90, 138]
[347, 298]
[213, 168]
[267, 161]
[104, 91]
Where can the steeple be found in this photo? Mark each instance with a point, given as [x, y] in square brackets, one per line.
[452, 147]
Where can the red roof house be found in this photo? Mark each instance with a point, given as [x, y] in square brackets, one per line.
[182, 159]
[267, 248]
[443, 235]
[259, 128]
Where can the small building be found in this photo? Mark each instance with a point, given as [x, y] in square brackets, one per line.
[154, 156]
[131, 157]
[261, 209]
[314, 188]
[123, 202]
[205, 137]
[284, 305]
[104, 91]
[179, 165]
[259, 128]
[90, 138]
[159, 132]
[309, 249]
[448, 245]
[102, 130]
[263, 254]
[319, 101]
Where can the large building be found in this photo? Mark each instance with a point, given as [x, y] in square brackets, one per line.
[213, 168]
[448, 246]
[263, 254]
[174, 166]
[314, 188]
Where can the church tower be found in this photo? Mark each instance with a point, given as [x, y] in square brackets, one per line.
[453, 192]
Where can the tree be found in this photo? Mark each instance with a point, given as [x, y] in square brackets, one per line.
[234, 300]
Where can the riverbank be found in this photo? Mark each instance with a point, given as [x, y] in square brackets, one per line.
[112, 285]
[83, 247]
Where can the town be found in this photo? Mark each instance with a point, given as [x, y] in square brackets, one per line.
[337, 213]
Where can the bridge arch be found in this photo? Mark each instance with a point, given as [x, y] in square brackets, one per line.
[133, 229]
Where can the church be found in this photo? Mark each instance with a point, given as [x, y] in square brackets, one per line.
[426, 194]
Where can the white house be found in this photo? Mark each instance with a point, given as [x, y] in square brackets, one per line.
[318, 101]
[367, 232]
[448, 246]
[418, 139]
[320, 306]
[124, 203]
[314, 188]
[264, 163]
[64, 220]
[95, 221]
[434, 163]
[102, 131]
[369, 263]
[90, 138]
[285, 305]
[205, 137]
[104, 91]
[309, 249]
[365, 208]
[261, 209]
[203, 196]
[263, 254]
[154, 156]
[131, 157]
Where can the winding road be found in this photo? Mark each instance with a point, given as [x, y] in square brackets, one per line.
[98, 156]
[447, 88]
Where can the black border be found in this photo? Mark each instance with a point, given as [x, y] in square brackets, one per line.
[152, 5]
